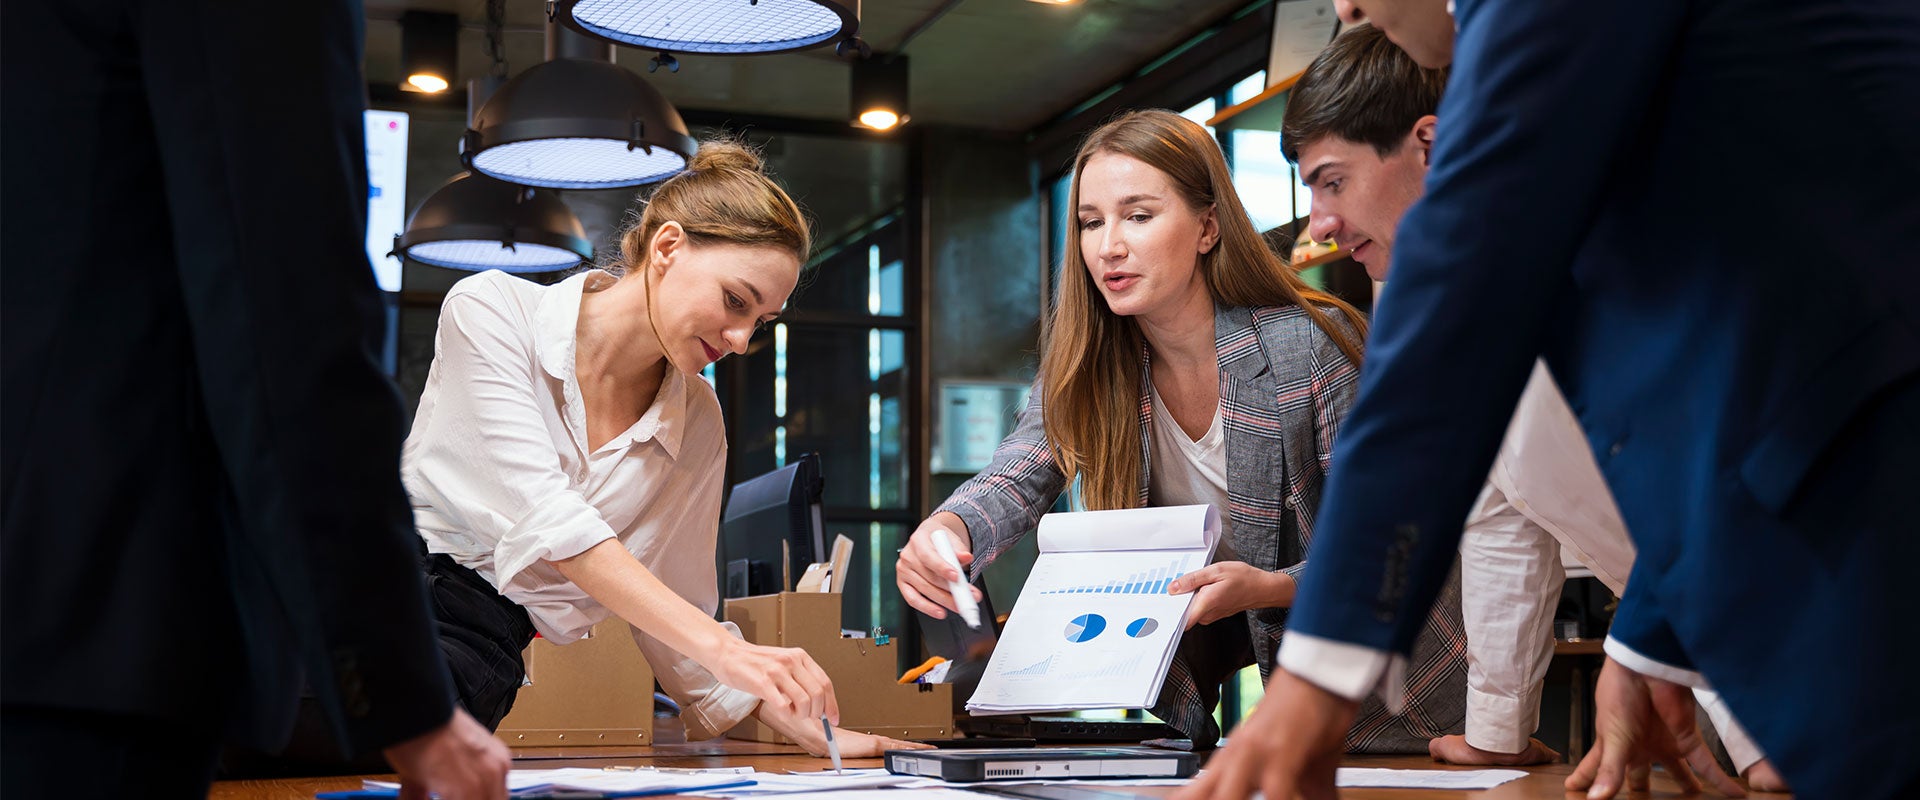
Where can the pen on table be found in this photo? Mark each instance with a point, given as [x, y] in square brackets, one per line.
[963, 601]
[833, 747]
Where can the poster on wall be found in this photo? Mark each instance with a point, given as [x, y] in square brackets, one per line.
[974, 417]
[386, 192]
[1301, 29]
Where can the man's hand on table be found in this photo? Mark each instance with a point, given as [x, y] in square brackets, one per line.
[1289, 747]
[1455, 750]
[1762, 777]
[1639, 720]
[457, 761]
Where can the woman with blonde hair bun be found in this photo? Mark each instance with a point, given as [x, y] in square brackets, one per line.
[567, 461]
[1186, 363]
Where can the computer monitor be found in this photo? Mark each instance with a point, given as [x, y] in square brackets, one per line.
[780, 506]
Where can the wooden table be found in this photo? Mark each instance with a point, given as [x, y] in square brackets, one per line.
[672, 750]
[1543, 782]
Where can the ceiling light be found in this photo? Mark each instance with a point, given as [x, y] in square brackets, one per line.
[577, 121]
[427, 82]
[429, 45]
[880, 91]
[716, 27]
[477, 223]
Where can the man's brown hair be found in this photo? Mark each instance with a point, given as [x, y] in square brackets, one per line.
[1362, 88]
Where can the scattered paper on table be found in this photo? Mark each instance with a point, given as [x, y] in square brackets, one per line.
[768, 783]
[887, 793]
[604, 780]
[1376, 778]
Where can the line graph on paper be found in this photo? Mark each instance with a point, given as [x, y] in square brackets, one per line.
[1097, 666]
[1034, 671]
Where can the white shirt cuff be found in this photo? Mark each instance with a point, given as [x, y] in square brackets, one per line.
[713, 715]
[1633, 660]
[1741, 748]
[1349, 670]
[1494, 721]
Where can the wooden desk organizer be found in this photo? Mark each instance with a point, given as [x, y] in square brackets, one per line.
[864, 673]
[596, 691]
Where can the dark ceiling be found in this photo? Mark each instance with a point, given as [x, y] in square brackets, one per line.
[1000, 65]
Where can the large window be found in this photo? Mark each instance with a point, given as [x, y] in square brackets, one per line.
[1268, 185]
[837, 374]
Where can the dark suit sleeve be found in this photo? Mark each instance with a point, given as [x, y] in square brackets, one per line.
[258, 111]
[1640, 623]
[1543, 95]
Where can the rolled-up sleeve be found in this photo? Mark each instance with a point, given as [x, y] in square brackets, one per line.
[484, 457]
[680, 552]
[708, 707]
[1510, 579]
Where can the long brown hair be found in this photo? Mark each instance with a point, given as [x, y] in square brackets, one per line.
[1090, 366]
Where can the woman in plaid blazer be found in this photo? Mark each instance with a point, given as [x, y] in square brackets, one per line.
[1179, 341]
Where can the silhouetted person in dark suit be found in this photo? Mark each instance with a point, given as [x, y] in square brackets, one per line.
[203, 509]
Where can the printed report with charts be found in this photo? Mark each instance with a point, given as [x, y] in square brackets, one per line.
[1094, 626]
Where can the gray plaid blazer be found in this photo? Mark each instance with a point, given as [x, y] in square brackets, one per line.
[1284, 388]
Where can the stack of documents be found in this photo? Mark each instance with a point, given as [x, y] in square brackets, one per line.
[605, 782]
[1094, 626]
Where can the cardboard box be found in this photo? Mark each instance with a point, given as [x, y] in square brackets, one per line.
[596, 691]
[864, 673]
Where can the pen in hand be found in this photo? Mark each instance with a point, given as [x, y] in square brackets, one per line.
[963, 601]
[833, 747]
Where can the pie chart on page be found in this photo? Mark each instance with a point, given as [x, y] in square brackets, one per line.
[1085, 627]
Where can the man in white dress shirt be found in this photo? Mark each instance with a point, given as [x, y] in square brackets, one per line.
[1545, 491]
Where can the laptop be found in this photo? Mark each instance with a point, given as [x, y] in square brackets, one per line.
[1043, 763]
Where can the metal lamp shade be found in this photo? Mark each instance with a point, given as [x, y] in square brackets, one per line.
[880, 83]
[713, 27]
[477, 223]
[576, 124]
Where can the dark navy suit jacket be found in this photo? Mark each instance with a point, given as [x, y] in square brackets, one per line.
[203, 509]
[1705, 215]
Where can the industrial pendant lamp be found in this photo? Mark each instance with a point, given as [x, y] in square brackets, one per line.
[429, 46]
[879, 91]
[713, 27]
[577, 121]
[477, 223]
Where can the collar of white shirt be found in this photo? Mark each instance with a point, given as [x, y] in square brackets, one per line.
[556, 322]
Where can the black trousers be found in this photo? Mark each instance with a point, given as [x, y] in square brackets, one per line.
[482, 635]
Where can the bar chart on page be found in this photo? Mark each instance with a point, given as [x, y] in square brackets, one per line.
[1153, 581]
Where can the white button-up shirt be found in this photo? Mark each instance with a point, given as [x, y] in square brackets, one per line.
[1544, 493]
[502, 480]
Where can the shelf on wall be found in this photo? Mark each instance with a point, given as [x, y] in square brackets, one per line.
[1323, 258]
[1260, 112]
